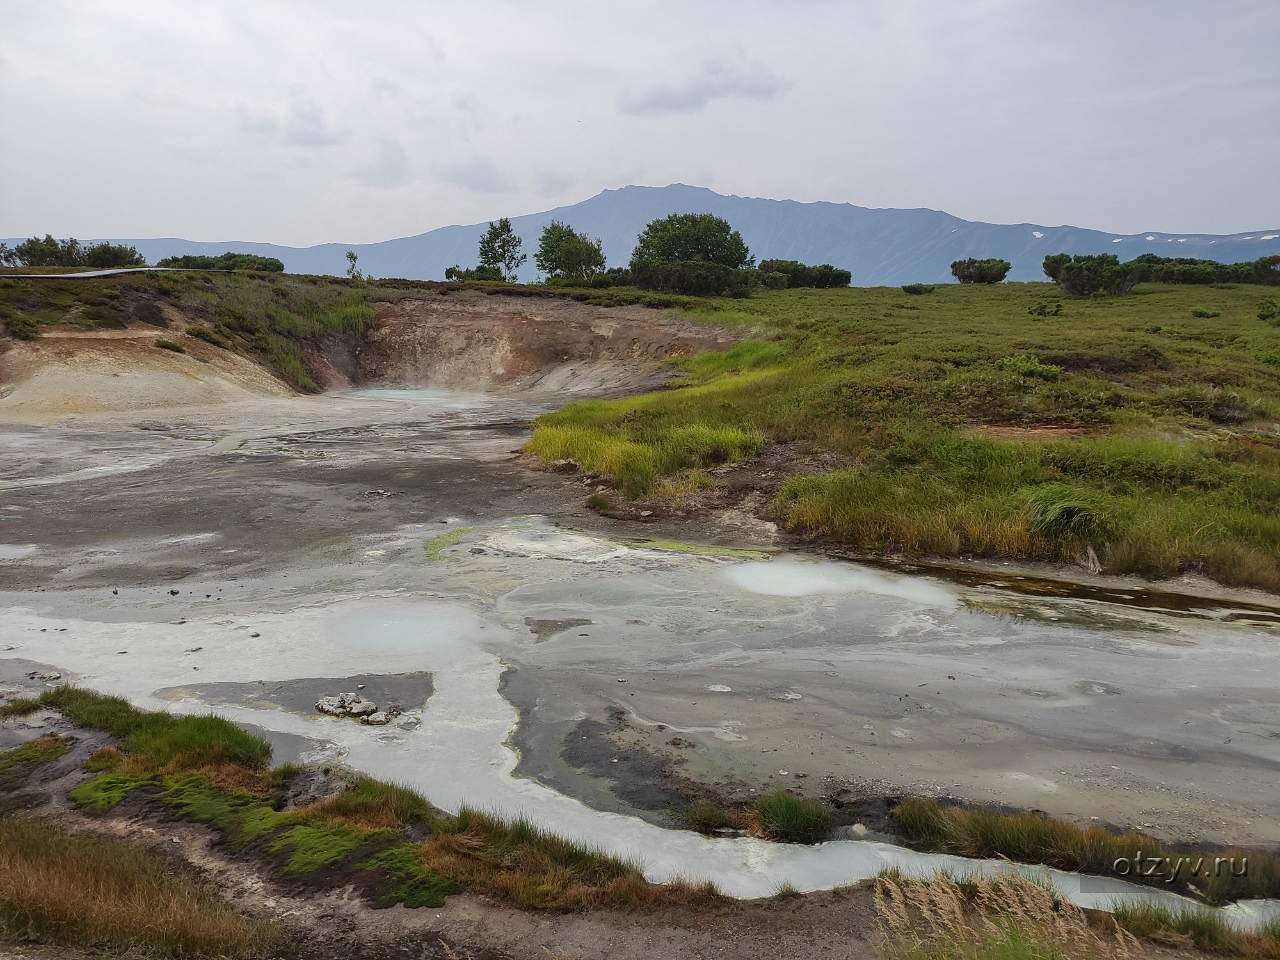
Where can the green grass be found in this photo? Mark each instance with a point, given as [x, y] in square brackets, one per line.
[1036, 838]
[1163, 454]
[192, 771]
[1009, 942]
[158, 739]
[792, 819]
[78, 889]
[706, 816]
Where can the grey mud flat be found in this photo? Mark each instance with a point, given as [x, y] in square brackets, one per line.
[195, 560]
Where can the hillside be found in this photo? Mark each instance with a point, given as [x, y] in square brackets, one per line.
[881, 246]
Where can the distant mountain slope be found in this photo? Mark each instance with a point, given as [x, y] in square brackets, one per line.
[880, 246]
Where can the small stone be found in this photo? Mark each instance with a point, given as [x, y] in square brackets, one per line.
[622, 679]
[255, 635]
[173, 593]
[377, 719]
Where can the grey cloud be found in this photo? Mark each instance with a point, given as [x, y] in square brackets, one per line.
[302, 125]
[478, 175]
[389, 166]
[715, 81]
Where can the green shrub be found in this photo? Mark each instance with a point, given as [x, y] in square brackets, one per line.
[802, 275]
[917, 289]
[773, 280]
[166, 344]
[1025, 365]
[473, 273]
[21, 325]
[792, 819]
[105, 316]
[972, 270]
[690, 238]
[697, 278]
[1045, 308]
[224, 261]
[1269, 312]
[1202, 314]
[1083, 276]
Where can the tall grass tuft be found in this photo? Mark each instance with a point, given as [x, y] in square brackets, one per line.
[792, 819]
[79, 889]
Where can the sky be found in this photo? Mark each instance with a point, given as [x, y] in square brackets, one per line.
[302, 123]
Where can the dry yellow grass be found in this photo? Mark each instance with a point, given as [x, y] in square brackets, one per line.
[1006, 917]
[76, 888]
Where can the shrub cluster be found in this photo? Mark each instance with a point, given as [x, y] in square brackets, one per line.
[1083, 276]
[48, 252]
[224, 261]
[473, 273]
[1150, 268]
[698, 278]
[917, 289]
[803, 275]
[980, 271]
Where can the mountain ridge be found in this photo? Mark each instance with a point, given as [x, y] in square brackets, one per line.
[880, 245]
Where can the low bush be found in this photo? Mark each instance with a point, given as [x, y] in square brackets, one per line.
[473, 273]
[698, 278]
[1045, 308]
[1269, 312]
[972, 270]
[1201, 314]
[224, 261]
[917, 289]
[800, 274]
[1025, 365]
[1084, 276]
[165, 344]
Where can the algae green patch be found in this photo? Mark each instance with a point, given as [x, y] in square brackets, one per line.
[409, 882]
[699, 549]
[436, 546]
[17, 763]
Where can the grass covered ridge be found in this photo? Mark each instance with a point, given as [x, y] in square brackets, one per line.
[972, 422]
[207, 770]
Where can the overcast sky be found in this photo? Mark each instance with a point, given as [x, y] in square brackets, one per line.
[356, 121]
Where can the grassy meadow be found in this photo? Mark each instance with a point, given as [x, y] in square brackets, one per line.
[986, 421]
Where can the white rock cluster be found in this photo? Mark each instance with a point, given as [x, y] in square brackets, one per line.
[354, 705]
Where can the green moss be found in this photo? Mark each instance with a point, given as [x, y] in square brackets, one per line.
[309, 847]
[106, 792]
[409, 882]
[17, 764]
